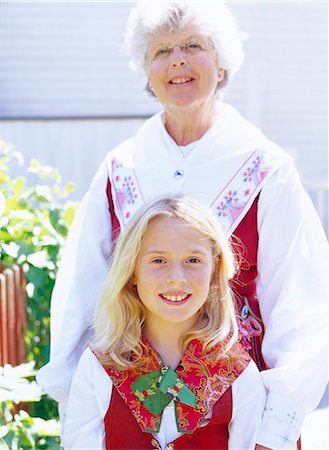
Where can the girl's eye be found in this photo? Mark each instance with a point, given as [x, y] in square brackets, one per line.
[158, 261]
[194, 260]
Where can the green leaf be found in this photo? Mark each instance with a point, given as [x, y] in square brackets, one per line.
[68, 189]
[26, 438]
[54, 217]
[4, 445]
[69, 212]
[25, 249]
[4, 178]
[34, 164]
[18, 185]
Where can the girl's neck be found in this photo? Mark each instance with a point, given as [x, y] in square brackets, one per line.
[166, 344]
[186, 126]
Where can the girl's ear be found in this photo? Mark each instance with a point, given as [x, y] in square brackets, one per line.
[215, 268]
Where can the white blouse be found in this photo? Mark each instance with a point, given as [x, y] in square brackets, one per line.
[291, 285]
[90, 396]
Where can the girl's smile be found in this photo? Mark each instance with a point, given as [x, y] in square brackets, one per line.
[175, 297]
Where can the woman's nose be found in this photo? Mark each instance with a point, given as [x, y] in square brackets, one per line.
[178, 56]
[176, 274]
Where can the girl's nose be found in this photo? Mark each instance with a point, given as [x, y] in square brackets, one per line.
[176, 275]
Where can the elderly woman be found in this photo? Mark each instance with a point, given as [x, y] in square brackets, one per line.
[202, 147]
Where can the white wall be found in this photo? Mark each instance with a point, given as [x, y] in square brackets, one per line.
[65, 83]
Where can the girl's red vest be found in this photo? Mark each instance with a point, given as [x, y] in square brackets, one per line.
[123, 432]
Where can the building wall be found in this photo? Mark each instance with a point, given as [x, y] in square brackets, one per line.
[68, 95]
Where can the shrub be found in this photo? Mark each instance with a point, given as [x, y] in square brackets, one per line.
[34, 220]
[18, 430]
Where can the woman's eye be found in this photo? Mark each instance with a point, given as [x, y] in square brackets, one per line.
[163, 51]
[191, 46]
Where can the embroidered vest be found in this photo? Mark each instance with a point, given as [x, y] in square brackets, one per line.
[207, 376]
[123, 433]
[244, 284]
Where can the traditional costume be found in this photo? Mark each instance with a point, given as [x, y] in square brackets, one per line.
[213, 400]
[252, 186]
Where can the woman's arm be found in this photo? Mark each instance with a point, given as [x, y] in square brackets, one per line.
[87, 405]
[248, 405]
[292, 292]
[79, 280]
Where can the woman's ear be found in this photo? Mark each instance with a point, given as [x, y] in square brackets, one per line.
[221, 74]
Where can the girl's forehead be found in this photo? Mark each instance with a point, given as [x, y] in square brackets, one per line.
[172, 230]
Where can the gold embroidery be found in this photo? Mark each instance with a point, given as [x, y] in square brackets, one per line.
[156, 444]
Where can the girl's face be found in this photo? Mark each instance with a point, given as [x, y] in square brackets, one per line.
[173, 273]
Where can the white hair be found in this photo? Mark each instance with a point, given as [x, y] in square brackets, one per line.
[212, 18]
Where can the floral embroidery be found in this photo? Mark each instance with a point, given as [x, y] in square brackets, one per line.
[240, 190]
[281, 421]
[203, 377]
[128, 196]
[251, 173]
[229, 199]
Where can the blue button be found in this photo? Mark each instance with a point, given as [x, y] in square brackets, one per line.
[178, 174]
[244, 312]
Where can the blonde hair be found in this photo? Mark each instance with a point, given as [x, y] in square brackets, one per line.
[119, 315]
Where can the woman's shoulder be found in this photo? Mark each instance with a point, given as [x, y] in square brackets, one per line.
[127, 146]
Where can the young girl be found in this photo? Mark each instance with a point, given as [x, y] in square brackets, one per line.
[165, 370]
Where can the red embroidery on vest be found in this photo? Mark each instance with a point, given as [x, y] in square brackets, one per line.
[207, 375]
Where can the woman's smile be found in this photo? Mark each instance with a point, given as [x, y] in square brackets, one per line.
[181, 80]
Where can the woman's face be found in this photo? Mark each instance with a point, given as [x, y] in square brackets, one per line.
[182, 69]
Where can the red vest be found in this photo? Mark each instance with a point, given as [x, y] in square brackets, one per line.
[123, 432]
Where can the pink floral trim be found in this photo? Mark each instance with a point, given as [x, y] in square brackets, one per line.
[128, 195]
[241, 189]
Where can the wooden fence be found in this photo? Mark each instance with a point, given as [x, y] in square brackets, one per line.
[12, 315]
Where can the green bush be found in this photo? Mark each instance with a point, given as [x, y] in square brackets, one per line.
[34, 222]
[18, 430]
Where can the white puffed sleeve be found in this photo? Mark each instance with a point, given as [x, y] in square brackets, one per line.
[79, 280]
[87, 405]
[292, 292]
[248, 395]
